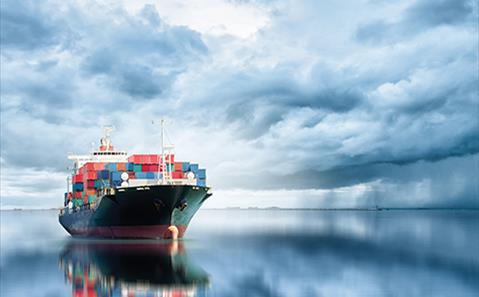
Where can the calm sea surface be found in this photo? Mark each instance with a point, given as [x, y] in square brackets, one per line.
[251, 253]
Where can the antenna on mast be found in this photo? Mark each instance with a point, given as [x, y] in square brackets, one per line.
[105, 141]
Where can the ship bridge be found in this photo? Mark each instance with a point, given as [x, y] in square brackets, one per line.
[106, 153]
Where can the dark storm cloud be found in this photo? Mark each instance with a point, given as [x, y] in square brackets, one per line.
[26, 25]
[143, 55]
[420, 16]
[259, 99]
[448, 182]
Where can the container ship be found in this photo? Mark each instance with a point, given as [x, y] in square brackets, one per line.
[111, 194]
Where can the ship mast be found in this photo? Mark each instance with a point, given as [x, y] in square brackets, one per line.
[163, 163]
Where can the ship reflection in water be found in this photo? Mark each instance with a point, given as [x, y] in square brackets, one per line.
[107, 268]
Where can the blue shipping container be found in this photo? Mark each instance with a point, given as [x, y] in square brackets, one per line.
[116, 176]
[150, 175]
[115, 183]
[130, 166]
[186, 166]
[78, 187]
[103, 174]
[201, 173]
[141, 175]
[194, 168]
[111, 167]
[201, 183]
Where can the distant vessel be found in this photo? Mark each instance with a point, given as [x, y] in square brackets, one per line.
[114, 195]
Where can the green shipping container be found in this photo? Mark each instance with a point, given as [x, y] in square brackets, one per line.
[137, 167]
[91, 198]
[77, 202]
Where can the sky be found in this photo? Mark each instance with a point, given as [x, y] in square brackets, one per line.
[285, 103]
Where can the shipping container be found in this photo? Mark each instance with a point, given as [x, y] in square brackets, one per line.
[77, 194]
[138, 159]
[90, 175]
[201, 173]
[137, 167]
[91, 192]
[92, 198]
[77, 202]
[177, 175]
[201, 183]
[99, 166]
[178, 167]
[111, 167]
[78, 187]
[129, 166]
[77, 178]
[116, 176]
[102, 183]
[141, 175]
[131, 175]
[121, 166]
[194, 168]
[103, 174]
[115, 183]
[90, 184]
[89, 166]
[185, 166]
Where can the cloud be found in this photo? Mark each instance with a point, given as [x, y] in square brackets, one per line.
[26, 26]
[421, 16]
[143, 55]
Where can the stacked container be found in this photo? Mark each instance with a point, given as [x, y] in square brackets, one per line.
[93, 177]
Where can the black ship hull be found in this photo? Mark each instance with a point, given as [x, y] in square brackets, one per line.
[138, 212]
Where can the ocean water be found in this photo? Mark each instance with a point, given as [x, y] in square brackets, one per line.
[251, 253]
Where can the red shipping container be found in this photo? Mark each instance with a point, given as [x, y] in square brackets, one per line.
[90, 175]
[177, 174]
[77, 194]
[154, 167]
[90, 184]
[150, 159]
[91, 192]
[78, 178]
[131, 175]
[99, 165]
[89, 166]
[137, 159]
[145, 167]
